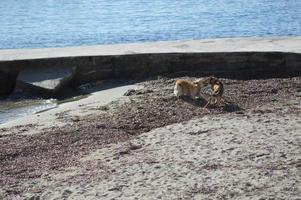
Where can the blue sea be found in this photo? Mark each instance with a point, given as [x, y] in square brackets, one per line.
[59, 23]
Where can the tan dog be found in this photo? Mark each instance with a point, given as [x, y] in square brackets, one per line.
[217, 88]
[188, 88]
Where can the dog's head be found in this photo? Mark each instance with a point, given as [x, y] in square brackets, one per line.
[199, 82]
[210, 80]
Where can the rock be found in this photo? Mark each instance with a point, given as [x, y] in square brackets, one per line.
[274, 91]
[66, 194]
[44, 80]
[132, 92]
[135, 146]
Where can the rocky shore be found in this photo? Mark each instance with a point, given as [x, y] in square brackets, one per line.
[150, 145]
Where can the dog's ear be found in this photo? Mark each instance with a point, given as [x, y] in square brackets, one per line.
[199, 82]
[213, 79]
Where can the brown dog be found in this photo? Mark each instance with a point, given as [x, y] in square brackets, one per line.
[217, 88]
[188, 88]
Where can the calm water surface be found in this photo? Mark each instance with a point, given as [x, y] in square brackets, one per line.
[13, 108]
[58, 23]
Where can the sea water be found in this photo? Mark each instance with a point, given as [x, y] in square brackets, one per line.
[58, 23]
[13, 108]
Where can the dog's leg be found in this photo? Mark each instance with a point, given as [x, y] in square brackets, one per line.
[215, 100]
[221, 100]
[178, 91]
[208, 102]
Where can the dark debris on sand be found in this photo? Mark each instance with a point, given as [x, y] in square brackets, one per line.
[28, 157]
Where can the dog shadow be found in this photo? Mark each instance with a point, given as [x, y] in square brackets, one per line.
[227, 106]
[199, 102]
[231, 107]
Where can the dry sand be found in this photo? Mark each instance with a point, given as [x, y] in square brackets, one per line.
[154, 146]
[219, 157]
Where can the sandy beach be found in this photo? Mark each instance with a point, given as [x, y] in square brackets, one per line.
[88, 109]
[143, 143]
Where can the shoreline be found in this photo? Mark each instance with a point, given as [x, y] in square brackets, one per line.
[78, 108]
[242, 44]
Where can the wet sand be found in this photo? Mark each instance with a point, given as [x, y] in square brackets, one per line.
[93, 96]
[150, 145]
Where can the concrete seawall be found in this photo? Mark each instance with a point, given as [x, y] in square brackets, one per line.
[242, 58]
